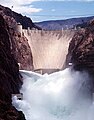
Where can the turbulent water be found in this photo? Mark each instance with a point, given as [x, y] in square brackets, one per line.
[63, 95]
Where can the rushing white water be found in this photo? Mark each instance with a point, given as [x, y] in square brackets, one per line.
[62, 95]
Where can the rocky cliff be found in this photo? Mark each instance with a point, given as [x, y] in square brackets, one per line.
[18, 43]
[81, 49]
[10, 81]
[25, 21]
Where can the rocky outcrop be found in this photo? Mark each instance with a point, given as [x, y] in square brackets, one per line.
[25, 21]
[18, 42]
[8, 112]
[10, 81]
[81, 49]
[21, 51]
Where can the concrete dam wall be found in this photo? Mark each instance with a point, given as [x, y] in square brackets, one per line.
[49, 48]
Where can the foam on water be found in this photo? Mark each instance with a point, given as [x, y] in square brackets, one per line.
[62, 95]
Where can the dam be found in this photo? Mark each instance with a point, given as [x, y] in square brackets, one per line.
[49, 48]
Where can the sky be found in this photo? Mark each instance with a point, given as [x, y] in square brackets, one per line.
[44, 10]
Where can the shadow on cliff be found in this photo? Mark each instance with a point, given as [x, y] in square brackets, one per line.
[10, 81]
[81, 51]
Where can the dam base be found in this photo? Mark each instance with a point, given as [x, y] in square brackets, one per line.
[48, 71]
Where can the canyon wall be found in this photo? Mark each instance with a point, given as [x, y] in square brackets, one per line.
[49, 48]
[24, 20]
[81, 49]
[20, 48]
[10, 79]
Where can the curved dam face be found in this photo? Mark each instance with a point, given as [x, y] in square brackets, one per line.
[49, 48]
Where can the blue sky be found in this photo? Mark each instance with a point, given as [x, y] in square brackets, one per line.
[62, 10]
[43, 10]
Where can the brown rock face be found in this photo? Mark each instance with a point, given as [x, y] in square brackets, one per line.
[25, 21]
[10, 81]
[8, 112]
[7, 61]
[81, 49]
[18, 43]
[21, 50]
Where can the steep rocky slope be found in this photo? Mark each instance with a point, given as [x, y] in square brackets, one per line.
[25, 21]
[19, 44]
[10, 81]
[20, 49]
[81, 49]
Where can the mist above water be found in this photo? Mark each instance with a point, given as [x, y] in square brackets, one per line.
[63, 95]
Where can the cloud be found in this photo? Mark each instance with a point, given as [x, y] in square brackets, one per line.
[26, 10]
[53, 10]
[17, 2]
[23, 2]
[21, 6]
[72, 11]
[70, 0]
[25, 6]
